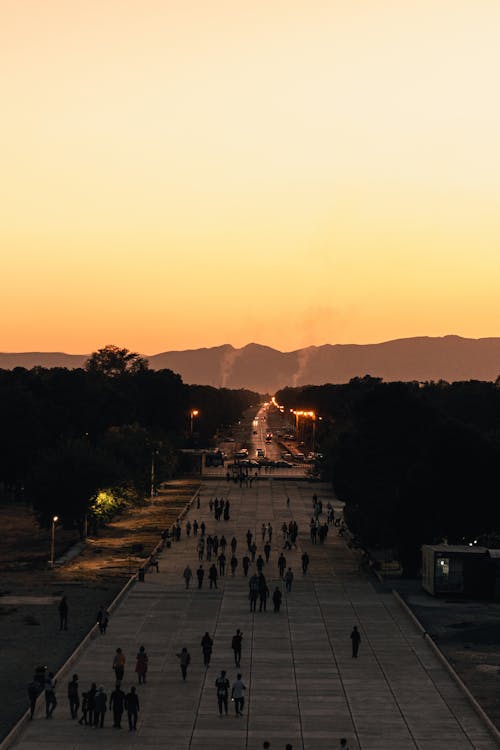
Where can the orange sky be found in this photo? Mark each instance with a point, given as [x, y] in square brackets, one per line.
[293, 172]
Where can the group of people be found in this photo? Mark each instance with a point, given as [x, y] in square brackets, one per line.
[220, 508]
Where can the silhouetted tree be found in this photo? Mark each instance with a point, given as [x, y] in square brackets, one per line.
[114, 360]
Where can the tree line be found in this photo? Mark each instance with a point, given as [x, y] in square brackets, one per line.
[79, 443]
[415, 463]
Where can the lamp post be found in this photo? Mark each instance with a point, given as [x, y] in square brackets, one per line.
[55, 519]
[192, 414]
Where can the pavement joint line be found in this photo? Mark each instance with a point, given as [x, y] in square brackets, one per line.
[294, 673]
[247, 716]
[456, 677]
[337, 666]
[436, 687]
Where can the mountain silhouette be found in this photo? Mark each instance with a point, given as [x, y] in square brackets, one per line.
[264, 369]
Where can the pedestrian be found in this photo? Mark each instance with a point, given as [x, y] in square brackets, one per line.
[305, 562]
[253, 594]
[85, 709]
[288, 580]
[356, 640]
[234, 564]
[102, 620]
[117, 705]
[211, 504]
[119, 664]
[101, 705]
[206, 646]
[195, 527]
[253, 550]
[270, 532]
[153, 563]
[33, 693]
[222, 686]
[343, 744]
[234, 544]
[187, 575]
[132, 708]
[185, 660]
[50, 695]
[249, 536]
[222, 564]
[73, 697]
[63, 614]
[188, 529]
[287, 502]
[203, 528]
[263, 593]
[200, 574]
[223, 543]
[281, 564]
[198, 502]
[277, 596]
[141, 665]
[238, 695]
[91, 696]
[267, 551]
[201, 549]
[263, 531]
[246, 564]
[236, 646]
[212, 576]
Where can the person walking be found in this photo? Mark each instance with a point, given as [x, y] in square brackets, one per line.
[234, 564]
[206, 646]
[288, 580]
[200, 574]
[222, 687]
[305, 562]
[91, 695]
[119, 664]
[117, 705]
[281, 564]
[101, 705]
[132, 708]
[33, 693]
[260, 564]
[238, 695]
[236, 646]
[263, 593]
[246, 564]
[267, 551]
[50, 695]
[141, 665]
[187, 575]
[85, 709]
[356, 640]
[102, 620]
[253, 586]
[185, 660]
[201, 549]
[343, 744]
[269, 532]
[73, 697]
[222, 564]
[212, 576]
[234, 544]
[195, 527]
[63, 613]
[249, 536]
[253, 550]
[263, 531]
[277, 596]
[188, 529]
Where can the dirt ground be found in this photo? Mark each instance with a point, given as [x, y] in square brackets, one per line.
[29, 592]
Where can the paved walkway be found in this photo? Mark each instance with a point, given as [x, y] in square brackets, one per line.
[303, 687]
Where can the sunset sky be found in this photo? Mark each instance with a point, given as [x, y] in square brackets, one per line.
[186, 173]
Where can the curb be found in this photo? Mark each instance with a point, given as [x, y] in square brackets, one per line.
[444, 661]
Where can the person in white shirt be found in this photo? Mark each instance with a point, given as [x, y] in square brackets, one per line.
[238, 695]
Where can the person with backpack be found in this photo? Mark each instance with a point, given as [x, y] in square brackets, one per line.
[185, 660]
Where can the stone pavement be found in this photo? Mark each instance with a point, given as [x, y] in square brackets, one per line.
[303, 686]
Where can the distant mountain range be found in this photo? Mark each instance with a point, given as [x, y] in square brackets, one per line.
[265, 370]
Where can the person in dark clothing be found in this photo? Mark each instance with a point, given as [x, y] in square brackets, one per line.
[102, 620]
[305, 562]
[281, 565]
[238, 695]
[200, 574]
[234, 544]
[263, 593]
[73, 697]
[132, 708]
[195, 527]
[117, 705]
[236, 646]
[50, 695]
[185, 660]
[63, 614]
[91, 703]
[119, 664]
[253, 594]
[260, 564]
[249, 539]
[288, 580]
[222, 564]
[206, 646]
[101, 704]
[33, 693]
[246, 564]
[356, 640]
[222, 686]
[277, 597]
[267, 551]
[212, 576]
[234, 564]
[253, 550]
[141, 665]
[85, 709]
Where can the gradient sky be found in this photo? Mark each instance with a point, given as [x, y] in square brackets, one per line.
[184, 173]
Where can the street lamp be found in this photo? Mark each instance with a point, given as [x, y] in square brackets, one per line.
[192, 414]
[55, 519]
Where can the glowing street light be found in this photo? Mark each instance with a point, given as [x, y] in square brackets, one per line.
[192, 414]
[55, 519]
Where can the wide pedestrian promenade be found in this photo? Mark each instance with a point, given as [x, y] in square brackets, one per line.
[303, 686]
